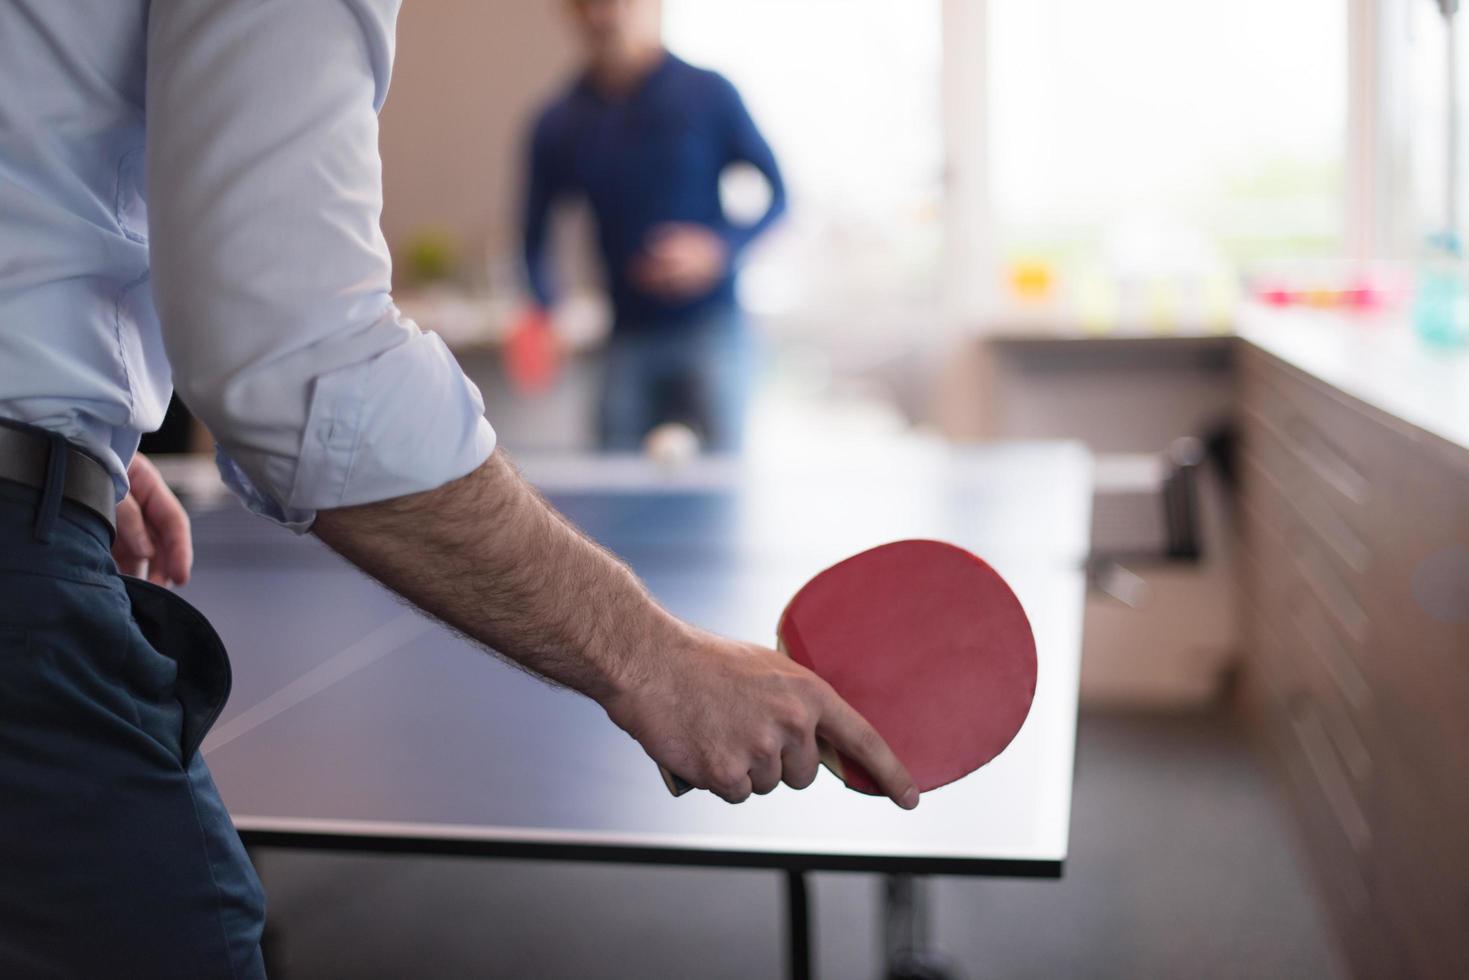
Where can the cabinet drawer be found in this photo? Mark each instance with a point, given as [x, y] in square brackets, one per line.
[1334, 692]
[1324, 441]
[1419, 875]
[1289, 568]
[1326, 776]
[1281, 720]
[1326, 586]
[1301, 734]
[1426, 584]
[1345, 713]
[1300, 505]
[1267, 572]
[1420, 657]
[1329, 653]
[1421, 723]
[1275, 672]
[1264, 491]
[1420, 925]
[1336, 831]
[1349, 444]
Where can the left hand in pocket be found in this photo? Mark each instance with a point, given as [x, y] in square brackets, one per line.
[153, 536]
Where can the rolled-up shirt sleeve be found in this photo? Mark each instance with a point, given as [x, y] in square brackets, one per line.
[270, 271]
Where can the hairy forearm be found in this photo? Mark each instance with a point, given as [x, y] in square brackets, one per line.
[489, 557]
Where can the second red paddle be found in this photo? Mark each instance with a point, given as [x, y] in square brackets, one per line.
[532, 357]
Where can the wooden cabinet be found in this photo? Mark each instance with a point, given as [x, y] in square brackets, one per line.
[1357, 688]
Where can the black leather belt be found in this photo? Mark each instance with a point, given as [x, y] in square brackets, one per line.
[25, 456]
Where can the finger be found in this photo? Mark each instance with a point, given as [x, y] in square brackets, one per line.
[672, 248]
[131, 548]
[143, 478]
[798, 764]
[851, 735]
[680, 276]
[166, 521]
[132, 533]
[653, 272]
[765, 774]
[734, 790]
[168, 524]
[156, 574]
[673, 285]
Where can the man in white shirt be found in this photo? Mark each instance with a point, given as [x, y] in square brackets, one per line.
[189, 195]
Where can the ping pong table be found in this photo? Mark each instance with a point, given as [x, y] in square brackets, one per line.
[356, 724]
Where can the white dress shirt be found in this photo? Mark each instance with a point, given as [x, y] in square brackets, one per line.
[189, 195]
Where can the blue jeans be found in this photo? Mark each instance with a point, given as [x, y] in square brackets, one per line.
[117, 858]
[697, 373]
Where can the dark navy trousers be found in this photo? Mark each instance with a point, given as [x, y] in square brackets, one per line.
[117, 858]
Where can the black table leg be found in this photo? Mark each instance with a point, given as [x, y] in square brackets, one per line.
[798, 937]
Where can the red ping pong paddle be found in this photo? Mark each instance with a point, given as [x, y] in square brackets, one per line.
[929, 644]
[532, 358]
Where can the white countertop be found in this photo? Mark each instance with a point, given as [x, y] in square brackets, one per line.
[1377, 360]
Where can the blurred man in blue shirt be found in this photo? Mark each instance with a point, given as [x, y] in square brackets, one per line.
[644, 137]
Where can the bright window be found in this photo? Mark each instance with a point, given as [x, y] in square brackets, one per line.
[1168, 132]
[1132, 138]
[847, 93]
[1425, 103]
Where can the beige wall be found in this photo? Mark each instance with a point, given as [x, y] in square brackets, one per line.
[467, 76]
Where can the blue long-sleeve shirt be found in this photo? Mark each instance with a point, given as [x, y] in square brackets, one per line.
[649, 158]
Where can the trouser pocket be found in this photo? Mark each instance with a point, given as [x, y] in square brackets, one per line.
[180, 632]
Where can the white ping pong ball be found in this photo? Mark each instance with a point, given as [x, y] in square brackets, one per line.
[671, 444]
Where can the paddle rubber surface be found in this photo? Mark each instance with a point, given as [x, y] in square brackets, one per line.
[929, 644]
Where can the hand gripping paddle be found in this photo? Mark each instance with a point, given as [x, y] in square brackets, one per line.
[927, 643]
